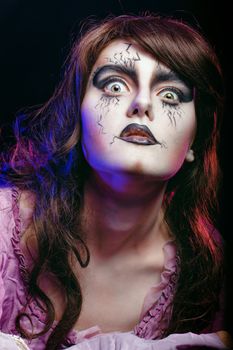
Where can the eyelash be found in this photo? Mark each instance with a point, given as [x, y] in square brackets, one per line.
[171, 103]
[104, 83]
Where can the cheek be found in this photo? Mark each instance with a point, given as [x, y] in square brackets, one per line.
[181, 136]
[97, 133]
[88, 129]
[172, 114]
[89, 122]
[93, 112]
[91, 130]
[101, 118]
[94, 115]
[185, 123]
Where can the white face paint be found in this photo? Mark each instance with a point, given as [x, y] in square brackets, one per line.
[127, 85]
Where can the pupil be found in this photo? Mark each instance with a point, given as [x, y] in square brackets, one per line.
[116, 88]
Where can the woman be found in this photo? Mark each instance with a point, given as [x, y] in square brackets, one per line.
[108, 196]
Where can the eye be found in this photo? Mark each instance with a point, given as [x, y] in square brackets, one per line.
[115, 87]
[171, 95]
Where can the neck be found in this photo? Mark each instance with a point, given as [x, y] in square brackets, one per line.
[122, 213]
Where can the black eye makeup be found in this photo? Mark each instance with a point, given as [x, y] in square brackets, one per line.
[173, 89]
[173, 96]
[112, 85]
[104, 74]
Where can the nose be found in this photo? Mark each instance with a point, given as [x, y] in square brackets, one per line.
[141, 106]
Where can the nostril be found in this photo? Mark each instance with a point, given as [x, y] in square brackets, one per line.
[135, 111]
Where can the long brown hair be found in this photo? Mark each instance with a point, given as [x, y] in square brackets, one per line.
[47, 159]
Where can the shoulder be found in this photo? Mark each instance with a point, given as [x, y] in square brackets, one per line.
[16, 211]
[23, 199]
[6, 211]
[5, 198]
[26, 205]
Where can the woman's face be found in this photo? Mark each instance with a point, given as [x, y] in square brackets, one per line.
[137, 115]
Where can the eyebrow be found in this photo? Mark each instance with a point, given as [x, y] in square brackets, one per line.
[160, 76]
[115, 68]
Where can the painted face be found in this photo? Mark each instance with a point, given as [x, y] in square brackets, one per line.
[137, 115]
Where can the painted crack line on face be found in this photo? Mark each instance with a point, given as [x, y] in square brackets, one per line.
[104, 107]
[163, 144]
[101, 130]
[113, 140]
[125, 58]
[105, 102]
[172, 112]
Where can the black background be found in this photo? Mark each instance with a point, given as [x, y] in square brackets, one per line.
[36, 37]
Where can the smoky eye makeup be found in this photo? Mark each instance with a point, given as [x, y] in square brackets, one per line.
[173, 90]
[97, 78]
[104, 83]
[173, 95]
[116, 71]
[109, 82]
[169, 81]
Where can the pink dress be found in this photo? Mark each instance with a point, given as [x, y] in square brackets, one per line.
[156, 308]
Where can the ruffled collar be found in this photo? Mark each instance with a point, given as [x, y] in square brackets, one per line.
[157, 306]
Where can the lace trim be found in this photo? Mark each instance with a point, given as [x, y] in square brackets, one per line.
[32, 305]
[20, 343]
[157, 318]
[16, 237]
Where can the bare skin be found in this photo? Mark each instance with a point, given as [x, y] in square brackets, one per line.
[125, 236]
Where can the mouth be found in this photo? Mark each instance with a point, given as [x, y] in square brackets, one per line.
[137, 133]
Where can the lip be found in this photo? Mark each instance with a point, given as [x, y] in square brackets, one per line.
[137, 133]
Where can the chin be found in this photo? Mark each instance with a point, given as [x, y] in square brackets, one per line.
[134, 167]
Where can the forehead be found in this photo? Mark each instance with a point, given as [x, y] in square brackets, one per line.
[128, 53]
[122, 45]
[129, 58]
